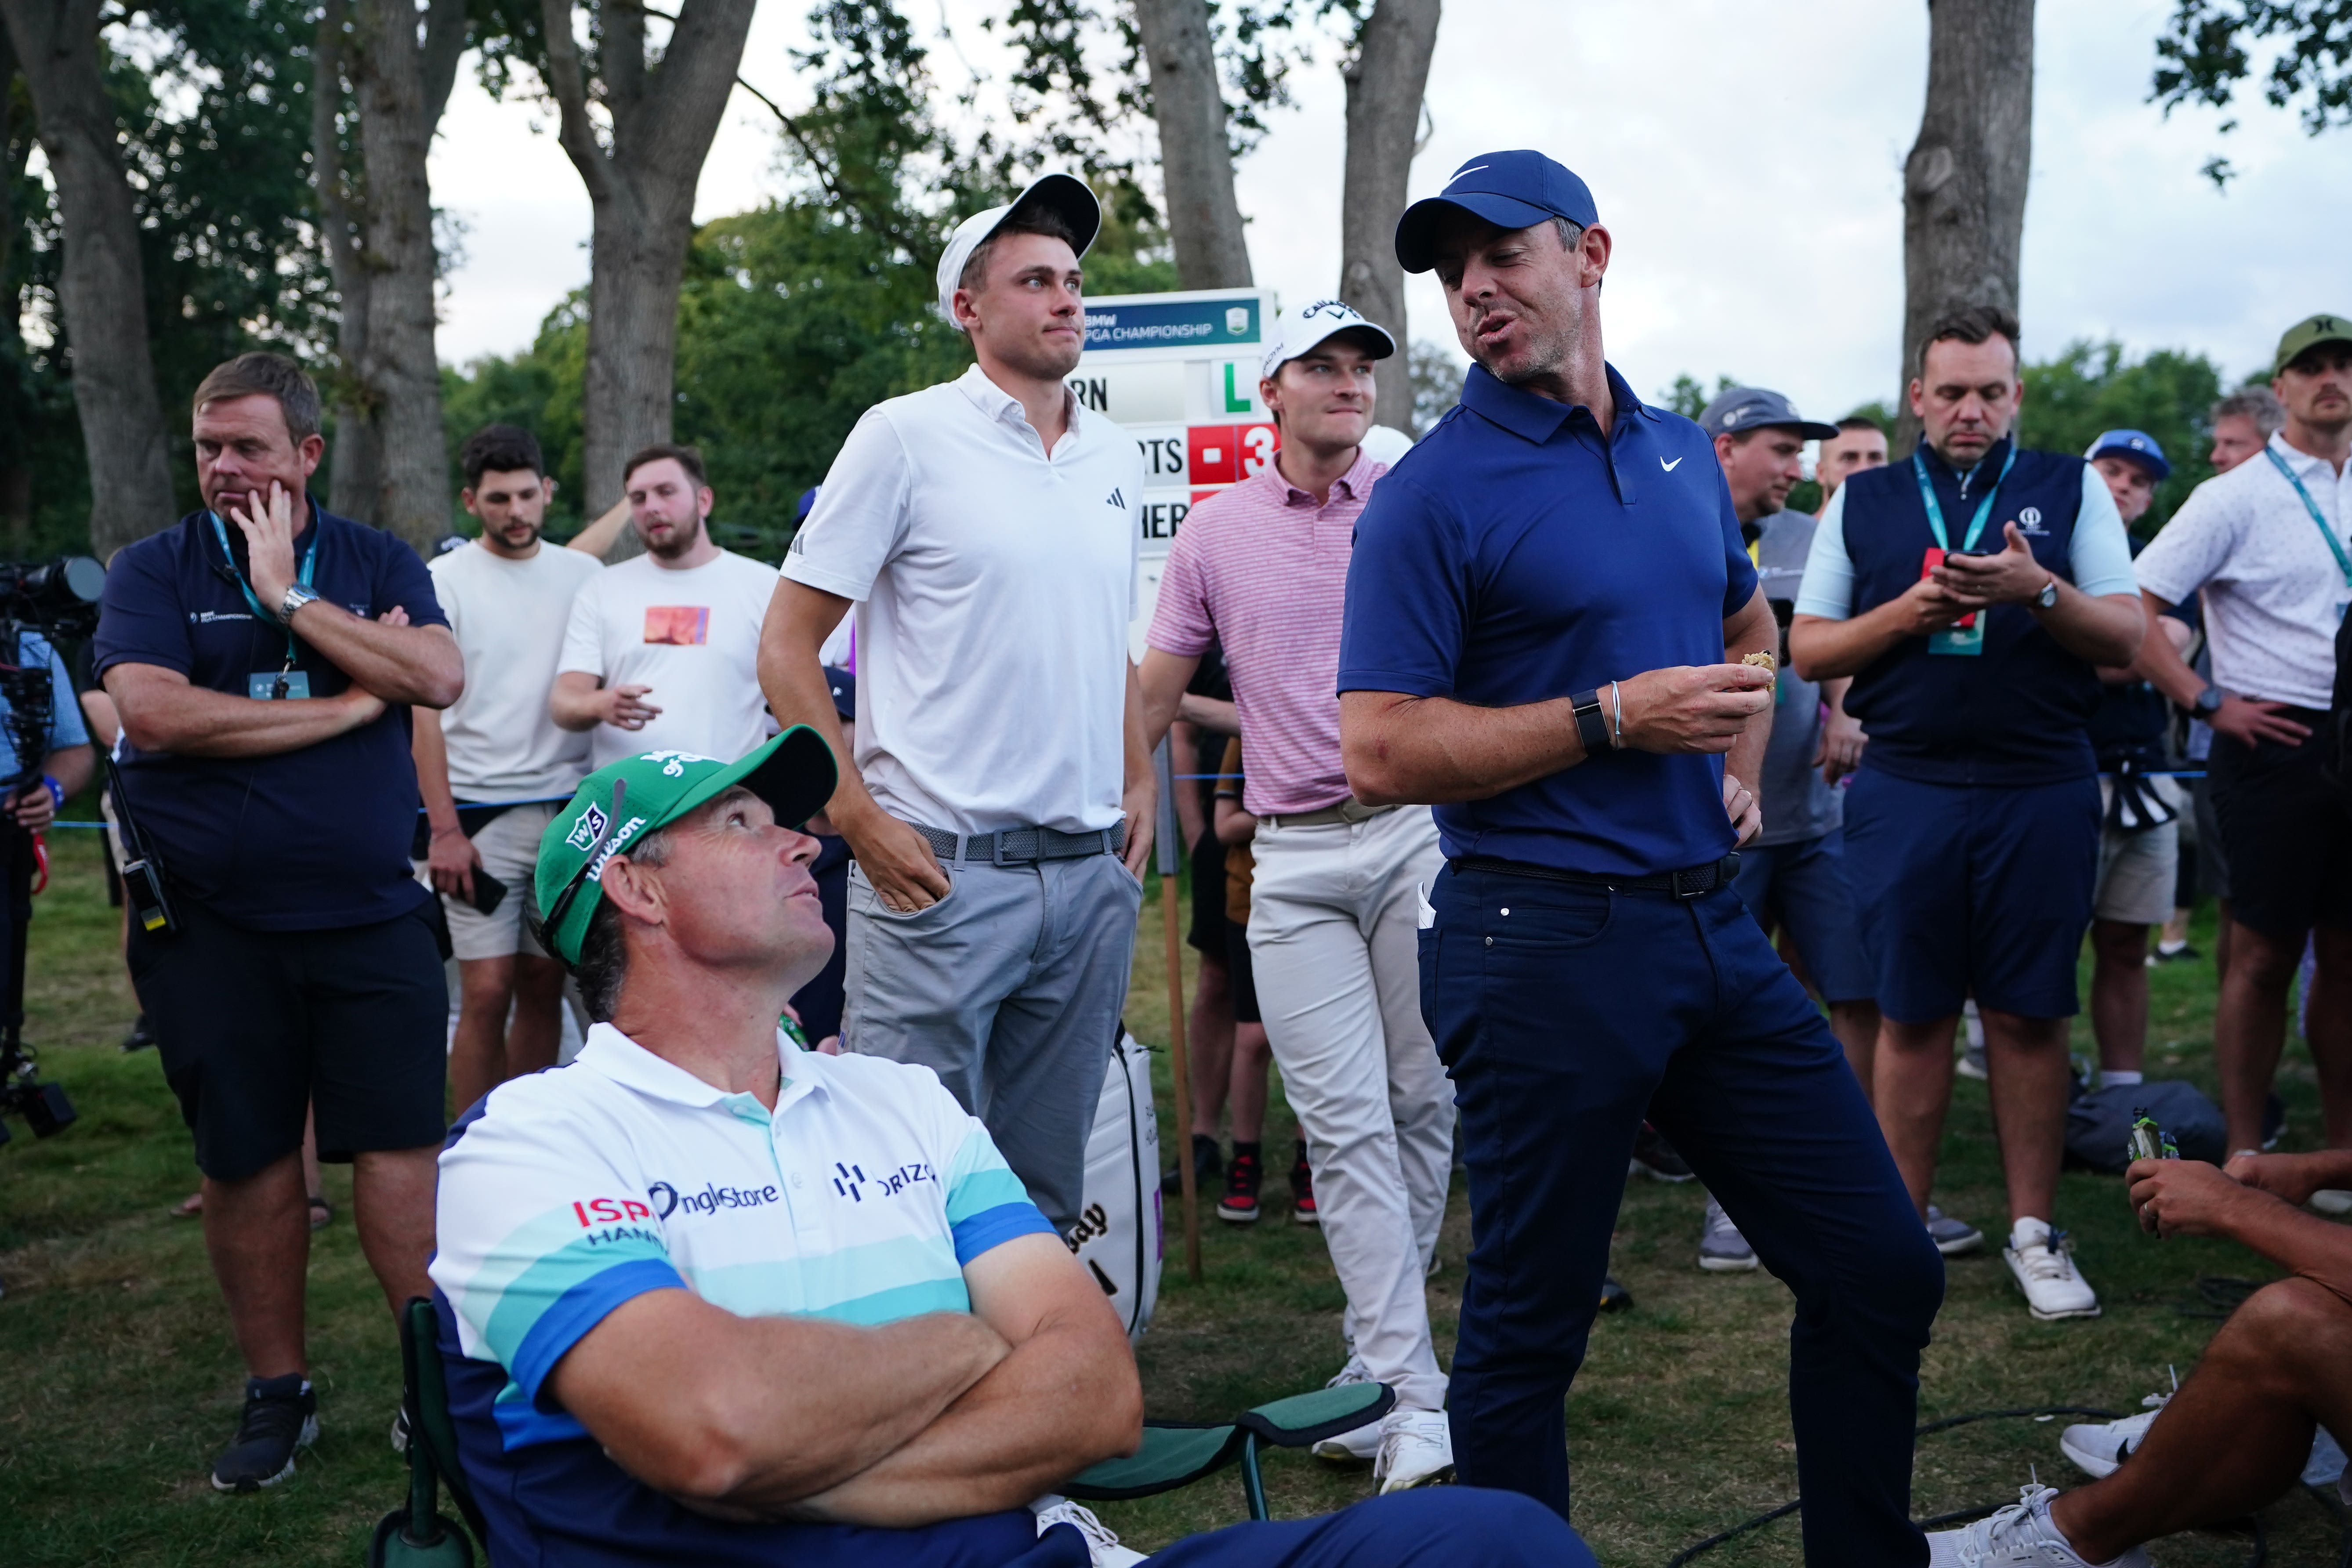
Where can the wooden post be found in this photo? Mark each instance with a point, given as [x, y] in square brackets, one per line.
[1171, 850]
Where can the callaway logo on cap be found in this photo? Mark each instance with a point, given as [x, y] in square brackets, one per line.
[1302, 331]
[622, 802]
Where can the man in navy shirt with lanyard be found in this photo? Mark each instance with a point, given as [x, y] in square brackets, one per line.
[1970, 592]
[1547, 609]
[263, 656]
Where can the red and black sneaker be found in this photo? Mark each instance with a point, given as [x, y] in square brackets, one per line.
[1242, 1174]
[1302, 1190]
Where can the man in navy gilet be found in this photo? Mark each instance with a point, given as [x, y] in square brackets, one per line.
[1970, 590]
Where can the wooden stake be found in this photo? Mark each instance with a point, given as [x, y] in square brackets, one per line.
[1178, 1062]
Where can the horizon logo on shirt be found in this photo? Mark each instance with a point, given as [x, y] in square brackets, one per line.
[677, 626]
[850, 1181]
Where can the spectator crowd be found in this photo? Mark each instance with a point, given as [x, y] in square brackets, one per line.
[1558, 802]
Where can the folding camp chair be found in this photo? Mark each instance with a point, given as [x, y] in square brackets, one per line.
[416, 1535]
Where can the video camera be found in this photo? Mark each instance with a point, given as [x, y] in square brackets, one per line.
[59, 599]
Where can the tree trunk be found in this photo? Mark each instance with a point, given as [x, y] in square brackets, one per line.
[382, 251]
[1964, 183]
[1196, 160]
[1385, 82]
[641, 193]
[102, 284]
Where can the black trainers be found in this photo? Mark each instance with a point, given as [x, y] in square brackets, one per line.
[1302, 1189]
[1239, 1206]
[1656, 1158]
[281, 1414]
[1208, 1165]
[141, 1036]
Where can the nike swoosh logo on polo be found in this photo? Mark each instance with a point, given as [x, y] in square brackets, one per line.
[1670, 467]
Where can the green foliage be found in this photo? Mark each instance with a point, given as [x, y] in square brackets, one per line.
[1436, 378]
[2204, 60]
[1689, 398]
[2091, 388]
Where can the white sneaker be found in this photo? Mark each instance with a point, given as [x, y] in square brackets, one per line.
[2097, 1448]
[1416, 1449]
[1721, 1248]
[1103, 1549]
[1362, 1444]
[2044, 1266]
[2332, 1200]
[2018, 1536]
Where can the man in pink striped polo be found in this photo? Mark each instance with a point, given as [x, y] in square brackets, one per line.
[1262, 568]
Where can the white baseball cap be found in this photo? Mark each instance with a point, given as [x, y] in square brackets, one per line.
[1065, 194]
[1300, 331]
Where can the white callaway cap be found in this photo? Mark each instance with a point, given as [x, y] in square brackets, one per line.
[1302, 329]
[1065, 194]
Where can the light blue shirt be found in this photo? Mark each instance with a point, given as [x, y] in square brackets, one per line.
[2099, 553]
[66, 728]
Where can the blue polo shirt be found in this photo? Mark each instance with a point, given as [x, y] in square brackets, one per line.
[1516, 555]
[305, 840]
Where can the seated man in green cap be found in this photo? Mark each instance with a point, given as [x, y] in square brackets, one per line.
[709, 1298]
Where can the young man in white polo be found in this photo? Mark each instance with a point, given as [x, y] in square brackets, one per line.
[986, 532]
[509, 598]
[1261, 569]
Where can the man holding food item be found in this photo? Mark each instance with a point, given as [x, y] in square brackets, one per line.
[1972, 592]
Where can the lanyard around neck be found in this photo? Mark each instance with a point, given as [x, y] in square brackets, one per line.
[310, 565]
[1935, 510]
[2318, 520]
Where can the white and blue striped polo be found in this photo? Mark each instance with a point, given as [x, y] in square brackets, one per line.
[566, 1192]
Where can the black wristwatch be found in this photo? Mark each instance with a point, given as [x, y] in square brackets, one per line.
[2208, 703]
[1591, 727]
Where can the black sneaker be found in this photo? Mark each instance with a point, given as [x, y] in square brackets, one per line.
[1614, 1298]
[1302, 1189]
[281, 1414]
[1656, 1158]
[141, 1036]
[1239, 1206]
[1208, 1165]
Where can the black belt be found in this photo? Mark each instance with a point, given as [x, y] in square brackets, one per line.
[1688, 883]
[1023, 846]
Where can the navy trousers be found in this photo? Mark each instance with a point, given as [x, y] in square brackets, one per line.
[1564, 1014]
[1439, 1527]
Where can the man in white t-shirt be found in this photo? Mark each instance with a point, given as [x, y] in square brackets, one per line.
[986, 530]
[2265, 542]
[662, 653]
[509, 598]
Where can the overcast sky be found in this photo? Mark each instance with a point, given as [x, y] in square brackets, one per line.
[1748, 160]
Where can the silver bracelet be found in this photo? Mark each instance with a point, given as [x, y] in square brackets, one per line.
[1617, 712]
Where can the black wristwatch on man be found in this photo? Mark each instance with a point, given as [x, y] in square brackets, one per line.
[2207, 703]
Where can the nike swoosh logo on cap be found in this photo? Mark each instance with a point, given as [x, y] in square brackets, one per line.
[1670, 467]
[1472, 169]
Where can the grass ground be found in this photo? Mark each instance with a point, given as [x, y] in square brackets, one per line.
[121, 1382]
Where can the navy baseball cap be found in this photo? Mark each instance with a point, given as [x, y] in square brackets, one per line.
[2138, 445]
[1754, 409]
[845, 690]
[1516, 189]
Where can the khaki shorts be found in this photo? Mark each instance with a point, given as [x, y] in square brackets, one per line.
[510, 851]
[2138, 872]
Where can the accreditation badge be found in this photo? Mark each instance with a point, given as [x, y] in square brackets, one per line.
[1968, 639]
[278, 685]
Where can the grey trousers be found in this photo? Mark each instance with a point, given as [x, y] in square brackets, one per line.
[1010, 988]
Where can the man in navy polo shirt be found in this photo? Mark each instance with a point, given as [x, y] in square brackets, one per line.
[1547, 609]
[1970, 592]
[263, 656]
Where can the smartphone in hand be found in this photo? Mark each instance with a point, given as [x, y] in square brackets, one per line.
[489, 892]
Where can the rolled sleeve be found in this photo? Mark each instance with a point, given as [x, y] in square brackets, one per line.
[539, 1237]
[1828, 592]
[2099, 554]
[861, 514]
[1408, 596]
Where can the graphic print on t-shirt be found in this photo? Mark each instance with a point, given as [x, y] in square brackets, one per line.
[677, 626]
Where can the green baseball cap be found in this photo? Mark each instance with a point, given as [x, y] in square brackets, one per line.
[2309, 332]
[622, 802]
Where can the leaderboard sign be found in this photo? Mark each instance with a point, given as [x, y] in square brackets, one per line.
[1180, 371]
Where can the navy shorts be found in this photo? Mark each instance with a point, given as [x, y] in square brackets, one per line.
[1805, 885]
[1973, 889]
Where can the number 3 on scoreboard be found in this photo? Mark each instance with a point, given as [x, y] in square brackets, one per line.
[1257, 442]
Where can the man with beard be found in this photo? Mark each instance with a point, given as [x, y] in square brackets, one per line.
[1554, 632]
[662, 651]
[509, 598]
[986, 530]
